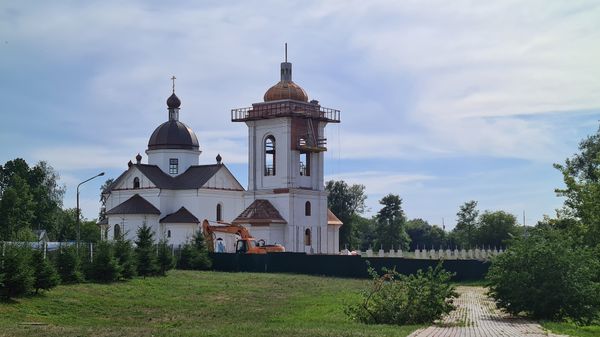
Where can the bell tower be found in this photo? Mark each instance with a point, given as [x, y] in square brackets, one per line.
[286, 139]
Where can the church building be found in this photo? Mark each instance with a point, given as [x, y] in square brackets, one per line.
[285, 202]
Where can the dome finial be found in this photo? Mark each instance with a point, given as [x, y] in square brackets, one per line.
[173, 101]
[173, 78]
[286, 52]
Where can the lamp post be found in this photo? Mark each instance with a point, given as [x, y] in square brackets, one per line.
[78, 220]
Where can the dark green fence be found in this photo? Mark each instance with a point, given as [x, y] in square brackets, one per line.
[340, 265]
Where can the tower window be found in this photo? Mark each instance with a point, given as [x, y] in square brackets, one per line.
[219, 213]
[136, 182]
[169, 233]
[270, 156]
[305, 164]
[307, 210]
[173, 166]
[117, 232]
[307, 237]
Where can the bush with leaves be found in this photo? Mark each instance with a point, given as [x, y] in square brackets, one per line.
[399, 299]
[17, 270]
[45, 274]
[194, 255]
[125, 257]
[68, 265]
[547, 275]
[145, 252]
[166, 261]
[105, 267]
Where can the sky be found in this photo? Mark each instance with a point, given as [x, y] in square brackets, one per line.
[441, 102]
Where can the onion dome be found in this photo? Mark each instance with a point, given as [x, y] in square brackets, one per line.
[286, 88]
[173, 102]
[138, 158]
[173, 134]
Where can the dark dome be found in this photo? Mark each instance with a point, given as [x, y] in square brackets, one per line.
[173, 101]
[173, 135]
[286, 90]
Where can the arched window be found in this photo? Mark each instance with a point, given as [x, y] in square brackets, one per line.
[136, 182]
[169, 233]
[270, 156]
[219, 212]
[117, 232]
[307, 209]
[307, 237]
[305, 164]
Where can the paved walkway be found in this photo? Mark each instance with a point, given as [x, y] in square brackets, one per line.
[476, 315]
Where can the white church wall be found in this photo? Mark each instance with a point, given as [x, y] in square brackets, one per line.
[279, 128]
[223, 179]
[129, 224]
[180, 233]
[160, 158]
[127, 181]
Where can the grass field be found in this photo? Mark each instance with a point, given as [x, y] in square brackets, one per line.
[187, 303]
[572, 329]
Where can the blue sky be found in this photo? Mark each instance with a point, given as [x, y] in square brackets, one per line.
[442, 102]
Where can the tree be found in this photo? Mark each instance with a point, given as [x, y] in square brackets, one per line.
[68, 265]
[105, 267]
[365, 232]
[166, 261]
[422, 234]
[125, 257]
[145, 253]
[30, 197]
[346, 202]
[390, 224]
[496, 228]
[16, 208]
[466, 224]
[194, 255]
[45, 275]
[17, 270]
[547, 275]
[104, 189]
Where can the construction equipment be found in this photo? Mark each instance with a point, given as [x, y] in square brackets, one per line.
[245, 245]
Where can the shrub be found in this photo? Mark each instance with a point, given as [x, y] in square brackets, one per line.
[547, 275]
[105, 267]
[45, 275]
[125, 257]
[145, 253]
[17, 270]
[194, 255]
[68, 265]
[166, 261]
[399, 299]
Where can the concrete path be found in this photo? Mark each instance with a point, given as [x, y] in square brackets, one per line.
[476, 315]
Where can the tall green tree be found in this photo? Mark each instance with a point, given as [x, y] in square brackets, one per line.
[125, 257]
[465, 231]
[105, 267]
[166, 260]
[424, 235]
[390, 222]
[496, 228]
[364, 232]
[581, 175]
[68, 265]
[346, 202]
[145, 252]
[16, 209]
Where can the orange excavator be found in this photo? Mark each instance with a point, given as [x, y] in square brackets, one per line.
[245, 245]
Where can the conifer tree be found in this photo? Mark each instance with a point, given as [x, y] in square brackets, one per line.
[45, 274]
[145, 252]
[18, 274]
[201, 260]
[105, 267]
[125, 257]
[166, 261]
[68, 265]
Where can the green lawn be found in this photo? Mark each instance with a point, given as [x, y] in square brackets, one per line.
[188, 303]
[572, 329]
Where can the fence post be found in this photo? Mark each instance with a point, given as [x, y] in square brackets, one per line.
[91, 252]
[45, 249]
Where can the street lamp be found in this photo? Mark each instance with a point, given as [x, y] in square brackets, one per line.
[78, 220]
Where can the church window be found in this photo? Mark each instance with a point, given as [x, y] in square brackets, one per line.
[307, 209]
[305, 164]
[117, 232]
[219, 212]
[136, 182]
[173, 166]
[307, 237]
[270, 156]
[169, 233]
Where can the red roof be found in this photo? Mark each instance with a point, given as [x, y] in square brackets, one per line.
[259, 212]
